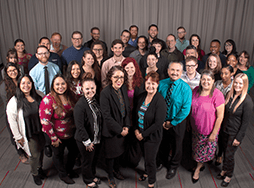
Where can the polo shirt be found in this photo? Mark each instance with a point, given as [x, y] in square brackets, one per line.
[191, 82]
[72, 53]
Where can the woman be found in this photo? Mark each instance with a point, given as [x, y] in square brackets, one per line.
[238, 111]
[224, 85]
[23, 56]
[152, 60]
[23, 117]
[99, 50]
[56, 114]
[90, 64]
[88, 121]
[213, 63]
[229, 48]
[73, 76]
[232, 60]
[8, 90]
[115, 110]
[150, 115]
[206, 117]
[195, 41]
[246, 68]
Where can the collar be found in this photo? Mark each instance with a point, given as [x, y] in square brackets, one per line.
[52, 48]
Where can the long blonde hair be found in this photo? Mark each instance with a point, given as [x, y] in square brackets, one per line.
[244, 77]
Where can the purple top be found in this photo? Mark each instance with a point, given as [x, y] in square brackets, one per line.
[203, 113]
[130, 96]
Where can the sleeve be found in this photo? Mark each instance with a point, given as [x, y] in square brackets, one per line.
[32, 62]
[104, 74]
[111, 125]
[59, 62]
[33, 76]
[246, 114]
[160, 114]
[219, 98]
[46, 112]
[185, 108]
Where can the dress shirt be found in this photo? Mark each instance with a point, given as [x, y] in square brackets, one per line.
[193, 82]
[180, 100]
[72, 53]
[38, 75]
[137, 55]
[182, 45]
[176, 55]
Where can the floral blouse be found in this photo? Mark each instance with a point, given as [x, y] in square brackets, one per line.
[24, 62]
[77, 89]
[54, 126]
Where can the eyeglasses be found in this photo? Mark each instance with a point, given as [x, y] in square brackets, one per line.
[13, 70]
[182, 32]
[118, 77]
[98, 50]
[76, 39]
[228, 45]
[41, 54]
[191, 66]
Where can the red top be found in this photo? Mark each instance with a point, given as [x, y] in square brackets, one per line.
[24, 62]
[56, 127]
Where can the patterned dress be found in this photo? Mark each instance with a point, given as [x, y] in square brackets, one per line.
[24, 62]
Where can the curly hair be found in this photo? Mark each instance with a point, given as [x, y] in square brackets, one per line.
[112, 71]
[137, 77]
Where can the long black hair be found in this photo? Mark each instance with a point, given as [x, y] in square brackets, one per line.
[21, 99]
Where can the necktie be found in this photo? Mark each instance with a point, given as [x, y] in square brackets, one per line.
[46, 79]
[168, 96]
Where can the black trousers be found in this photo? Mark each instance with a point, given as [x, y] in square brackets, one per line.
[88, 162]
[172, 140]
[229, 154]
[58, 156]
[150, 150]
[113, 164]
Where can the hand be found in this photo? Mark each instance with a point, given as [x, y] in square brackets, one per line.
[139, 137]
[124, 131]
[136, 132]
[56, 143]
[125, 128]
[236, 143]
[21, 142]
[212, 138]
[167, 125]
[90, 147]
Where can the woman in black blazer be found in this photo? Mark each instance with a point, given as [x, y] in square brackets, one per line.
[88, 121]
[150, 115]
[115, 110]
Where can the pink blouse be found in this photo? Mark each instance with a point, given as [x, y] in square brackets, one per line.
[56, 127]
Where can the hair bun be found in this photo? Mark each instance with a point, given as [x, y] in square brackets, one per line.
[87, 75]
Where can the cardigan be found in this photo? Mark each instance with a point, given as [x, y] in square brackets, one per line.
[154, 117]
[17, 124]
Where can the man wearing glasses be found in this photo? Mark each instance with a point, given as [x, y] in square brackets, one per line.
[181, 42]
[76, 51]
[53, 57]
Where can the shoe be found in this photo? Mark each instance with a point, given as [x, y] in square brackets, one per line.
[142, 177]
[93, 186]
[111, 183]
[42, 174]
[97, 180]
[216, 162]
[37, 180]
[194, 180]
[67, 180]
[73, 174]
[220, 177]
[150, 187]
[159, 167]
[171, 173]
[48, 151]
[224, 184]
[23, 159]
[118, 175]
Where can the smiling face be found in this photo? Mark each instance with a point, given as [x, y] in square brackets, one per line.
[151, 61]
[134, 32]
[228, 47]
[42, 55]
[25, 85]
[117, 49]
[77, 41]
[130, 69]
[232, 61]
[125, 37]
[56, 40]
[181, 33]
[151, 86]
[20, 46]
[195, 41]
[191, 67]
[89, 89]
[12, 72]
[238, 85]
[212, 62]
[89, 60]
[225, 75]
[45, 42]
[95, 34]
[141, 43]
[75, 71]
[98, 51]
[12, 58]
[117, 79]
[60, 86]
[206, 82]
[243, 60]
[191, 52]
[171, 42]
[175, 71]
[153, 32]
[158, 48]
[215, 48]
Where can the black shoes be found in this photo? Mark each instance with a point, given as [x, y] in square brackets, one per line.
[48, 151]
[73, 174]
[67, 180]
[220, 177]
[159, 167]
[118, 175]
[224, 184]
[142, 177]
[42, 174]
[171, 173]
[37, 180]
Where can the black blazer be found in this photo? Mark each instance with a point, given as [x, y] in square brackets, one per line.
[154, 117]
[84, 121]
[111, 111]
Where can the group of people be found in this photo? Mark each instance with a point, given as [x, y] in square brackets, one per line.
[146, 95]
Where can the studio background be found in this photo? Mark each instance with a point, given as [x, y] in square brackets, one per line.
[32, 19]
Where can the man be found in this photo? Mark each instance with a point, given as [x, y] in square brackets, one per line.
[192, 51]
[178, 97]
[95, 34]
[215, 49]
[181, 42]
[76, 51]
[134, 35]
[172, 53]
[142, 49]
[191, 76]
[117, 48]
[152, 34]
[56, 45]
[38, 71]
[53, 57]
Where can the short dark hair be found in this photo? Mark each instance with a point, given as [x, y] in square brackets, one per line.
[146, 41]
[125, 30]
[172, 36]
[43, 38]
[157, 41]
[41, 46]
[229, 67]
[216, 40]
[56, 33]
[94, 28]
[191, 47]
[117, 41]
[191, 58]
[181, 27]
[76, 32]
[132, 27]
[153, 25]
